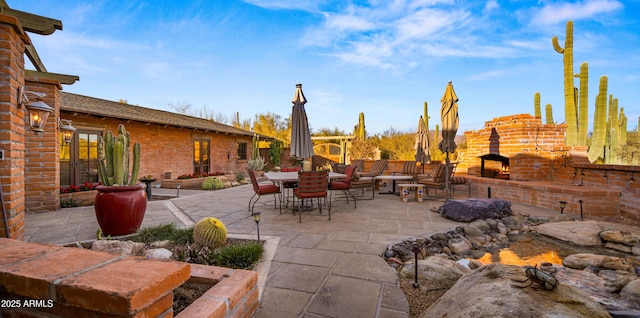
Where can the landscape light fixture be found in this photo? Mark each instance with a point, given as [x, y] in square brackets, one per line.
[581, 217]
[256, 218]
[38, 111]
[563, 204]
[416, 250]
[66, 129]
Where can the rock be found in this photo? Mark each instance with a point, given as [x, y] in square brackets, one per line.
[474, 264]
[622, 237]
[561, 218]
[482, 225]
[158, 253]
[632, 291]
[585, 233]
[512, 223]
[440, 269]
[440, 236]
[636, 250]
[474, 209]
[403, 252]
[536, 220]
[488, 292]
[472, 231]
[118, 247]
[493, 224]
[502, 229]
[618, 247]
[513, 235]
[616, 280]
[161, 244]
[458, 246]
[476, 254]
[582, 260]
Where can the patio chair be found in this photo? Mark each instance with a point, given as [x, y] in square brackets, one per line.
[311, 185]
[262, 189]
[439, 178]
[410, 168]
[358, 163]
[288, 185]
[344, 184]
[367, 179]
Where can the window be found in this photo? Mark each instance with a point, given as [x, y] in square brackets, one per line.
[242, 151]
[201, 159]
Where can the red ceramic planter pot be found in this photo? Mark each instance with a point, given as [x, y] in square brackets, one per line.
[120, 209]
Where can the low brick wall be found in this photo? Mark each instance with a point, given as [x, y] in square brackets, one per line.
[596, 201]
[82, 198]
[40, 280]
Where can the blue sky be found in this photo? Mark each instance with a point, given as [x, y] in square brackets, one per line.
[381, 57]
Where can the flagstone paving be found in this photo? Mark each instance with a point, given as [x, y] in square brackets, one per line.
[320, 267]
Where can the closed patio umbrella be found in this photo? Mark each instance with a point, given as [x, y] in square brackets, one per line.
[449, 118]
[301, 145]
[422, 144]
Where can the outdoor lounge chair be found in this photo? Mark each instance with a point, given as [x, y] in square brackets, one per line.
[411, 168]
[367, 179]
[262, 189]
[311, 185]
[438, 182]
[344, 184]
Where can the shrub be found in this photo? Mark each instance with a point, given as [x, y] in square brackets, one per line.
[164, 232]
[239, 176]
[256, 164]
[239, 256]
[71, 203]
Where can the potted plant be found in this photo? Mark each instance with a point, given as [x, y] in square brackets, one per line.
[120, 203]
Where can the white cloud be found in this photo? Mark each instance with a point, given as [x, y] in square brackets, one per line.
[563, 11]
[307, 5]
[490, 6]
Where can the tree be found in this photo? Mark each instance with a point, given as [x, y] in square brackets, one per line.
[396, 145]
[271, 124]
[362, 149]
[180, 107]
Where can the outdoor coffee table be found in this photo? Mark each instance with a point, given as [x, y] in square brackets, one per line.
[404, 187]
[394, 179]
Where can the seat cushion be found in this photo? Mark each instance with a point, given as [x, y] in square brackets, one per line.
[268, 189]
[339, 185]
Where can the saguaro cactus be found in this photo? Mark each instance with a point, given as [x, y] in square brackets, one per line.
[569, 91]
[596, 150]
[583, 101]
[113, 158]
[361, 132]
[536, 105]
[548, 114]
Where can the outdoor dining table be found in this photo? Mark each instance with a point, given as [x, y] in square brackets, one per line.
[292, 176]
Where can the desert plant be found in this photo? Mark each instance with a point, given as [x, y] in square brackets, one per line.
[71, 203]
[256, 164]
[164, 232]
[211, 183]
[239, 256]
[239, 176]
[570, 113]
[113, 158]
[275, 151]
[210, 232]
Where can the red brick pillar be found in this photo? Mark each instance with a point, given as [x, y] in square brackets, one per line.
[12, 125]
[42, 155]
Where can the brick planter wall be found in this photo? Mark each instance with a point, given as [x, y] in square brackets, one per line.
[72, 282]
[82, 198]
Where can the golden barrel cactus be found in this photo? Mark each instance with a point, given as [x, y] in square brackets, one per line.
[210, 232]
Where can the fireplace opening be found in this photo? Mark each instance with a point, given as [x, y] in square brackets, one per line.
[494, 166]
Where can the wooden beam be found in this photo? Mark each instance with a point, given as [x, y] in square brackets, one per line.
[33, 56]
[62, 78]
[31, 22]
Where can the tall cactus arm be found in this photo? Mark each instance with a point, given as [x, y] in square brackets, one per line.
[596, 149]
[118, 148]
[623, 127]
[136, 163]
[108, 152]
[583, 101]
[548, 114]
[536, 105]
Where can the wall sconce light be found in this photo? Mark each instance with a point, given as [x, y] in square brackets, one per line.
[66, 129]
[563, 204]
[38, 111]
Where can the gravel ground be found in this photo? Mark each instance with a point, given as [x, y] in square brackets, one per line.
[422, 297]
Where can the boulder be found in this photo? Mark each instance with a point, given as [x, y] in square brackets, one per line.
[585, 233]
[583, 260]
[436, 269]
[474, 209]
[489, 292]
[619, 247]
[458, 246]
[482, 225]
[632, 291]
[158, 253]
[622, 237]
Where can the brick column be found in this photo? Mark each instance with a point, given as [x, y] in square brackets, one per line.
[12, 125]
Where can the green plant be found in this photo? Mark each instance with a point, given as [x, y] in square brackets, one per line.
[598, 137]
[164, 232]
[583, 108]
[256, 164]
[239, 176]
[211, 183]
[71, 203]
[275, 151]
[239, 256]
[210, 232]
[536, 105]
[548, 114]
[113, 158]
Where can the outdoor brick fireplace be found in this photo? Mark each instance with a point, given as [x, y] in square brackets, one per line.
[515, 147]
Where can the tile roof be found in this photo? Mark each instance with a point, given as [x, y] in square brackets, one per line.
[70, 102]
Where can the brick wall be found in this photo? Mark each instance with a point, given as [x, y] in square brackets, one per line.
[530, 145]
[12, 125]
[169, 149]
